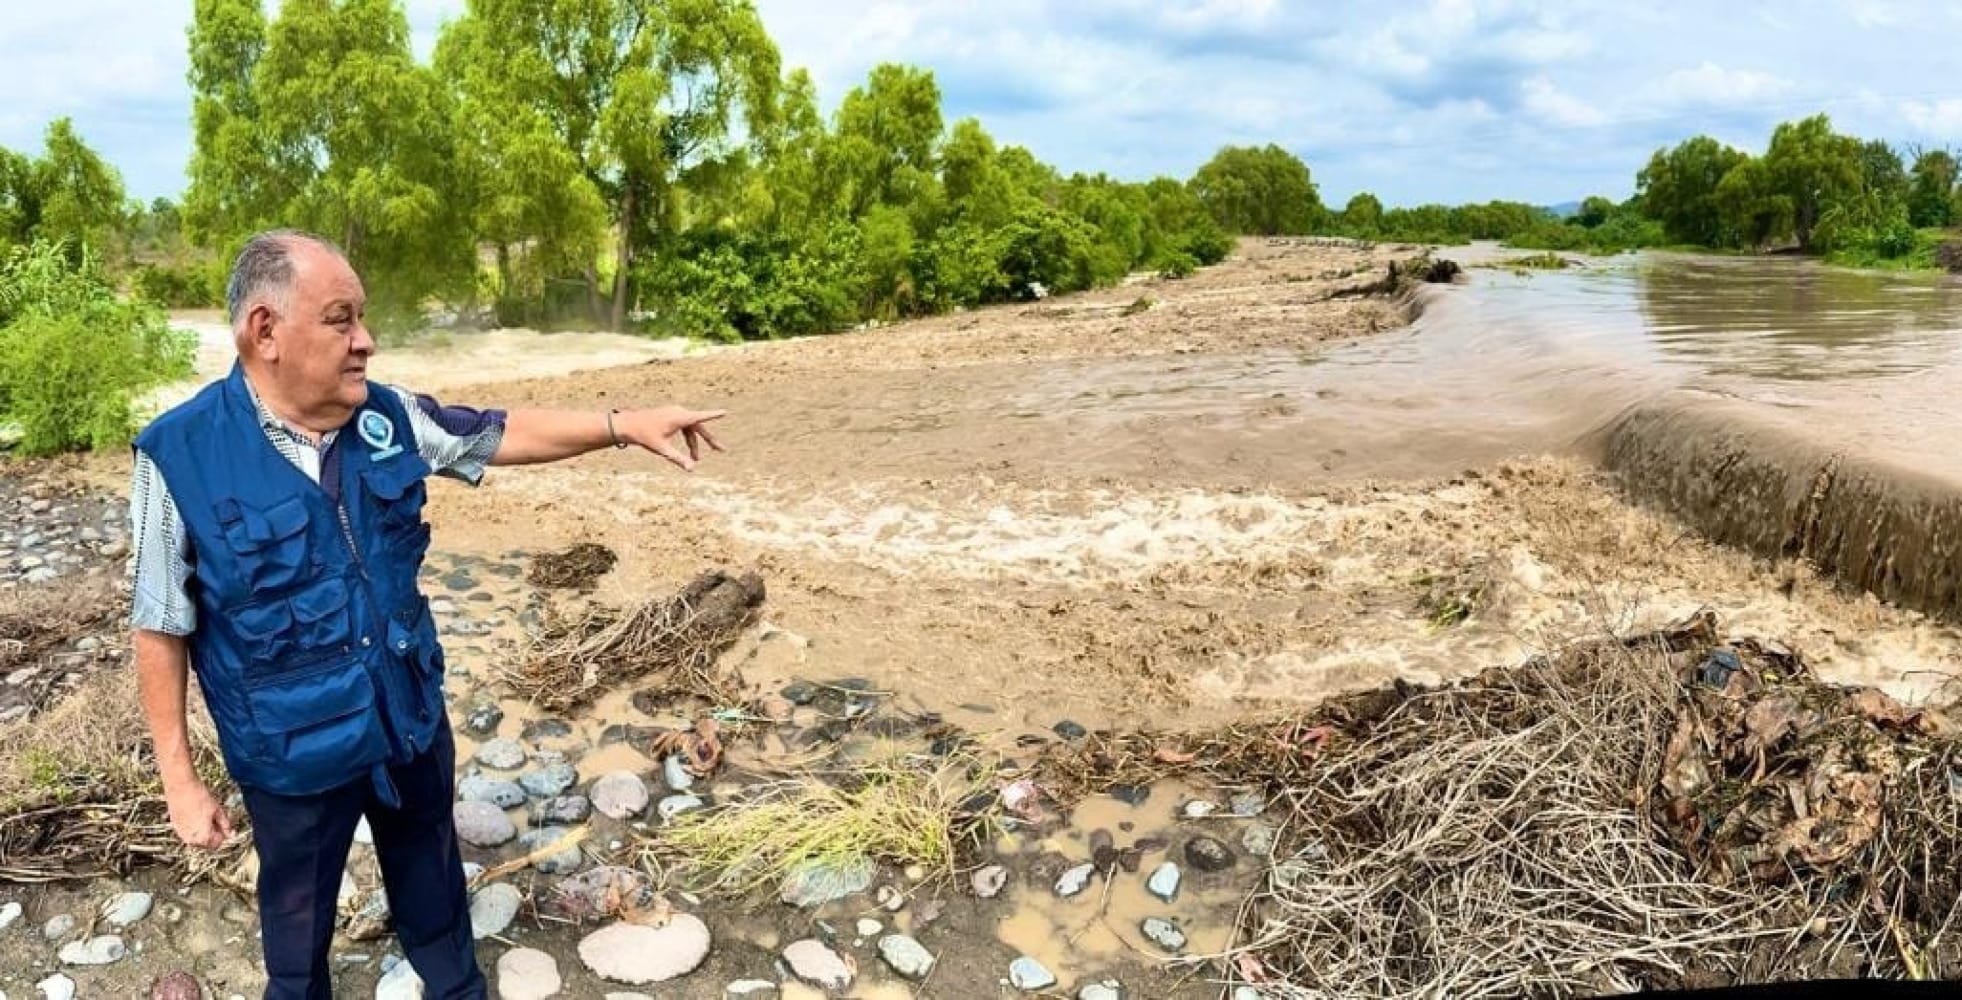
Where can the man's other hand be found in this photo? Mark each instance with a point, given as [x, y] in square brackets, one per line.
[197, 816]
[655, 430]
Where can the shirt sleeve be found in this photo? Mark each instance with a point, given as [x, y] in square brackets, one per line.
[456, 441]
[160, 556]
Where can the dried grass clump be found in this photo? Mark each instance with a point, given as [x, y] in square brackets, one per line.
[909, 812]
[35, 621]
[573, 659]
[79, 791]
[576, 568]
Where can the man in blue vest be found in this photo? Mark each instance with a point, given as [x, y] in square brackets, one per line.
[277, 529]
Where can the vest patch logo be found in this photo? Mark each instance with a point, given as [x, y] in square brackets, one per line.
[379, 432]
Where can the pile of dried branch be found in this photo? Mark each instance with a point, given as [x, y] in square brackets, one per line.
[79, 791]
[1655, 812]
[572, 659]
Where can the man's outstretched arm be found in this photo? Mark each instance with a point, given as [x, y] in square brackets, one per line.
[532, 436]
[162, 669]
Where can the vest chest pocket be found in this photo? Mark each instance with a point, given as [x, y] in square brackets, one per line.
[269, 545]
[284, 633]
[397, 488]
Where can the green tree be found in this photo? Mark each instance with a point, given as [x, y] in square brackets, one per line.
[1362, 216]
[1754, 212]
[18, 205]
[1932, 189]
[883, 149]
[80, 194]
[1678, 188]
[640, 93]
[1815, 167]
[363, 135]
[1594, 211]
[541, 215]
[1259, 191]
[234, 187]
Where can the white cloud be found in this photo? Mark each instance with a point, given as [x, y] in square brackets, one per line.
[1543, 100]
[1942, 119]
[1874, 13]
[1712, 85]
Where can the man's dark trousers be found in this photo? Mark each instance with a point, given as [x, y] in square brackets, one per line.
[303, 843]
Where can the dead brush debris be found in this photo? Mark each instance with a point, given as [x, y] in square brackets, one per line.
[571, 658]
[578, 567]
[35, 622]
[79, 792]
[1662, 811]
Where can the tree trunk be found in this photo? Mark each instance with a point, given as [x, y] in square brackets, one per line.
[623, 261]
[594, 314]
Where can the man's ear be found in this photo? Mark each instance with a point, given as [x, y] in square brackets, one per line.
[259, 332]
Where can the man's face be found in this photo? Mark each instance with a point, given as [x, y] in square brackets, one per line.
[320, 343]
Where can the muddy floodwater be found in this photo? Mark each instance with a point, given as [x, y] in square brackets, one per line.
[1178, 503]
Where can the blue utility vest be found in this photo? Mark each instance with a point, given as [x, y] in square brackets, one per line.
[314, 648]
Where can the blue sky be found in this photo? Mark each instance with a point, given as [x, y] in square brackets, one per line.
[1416, 100]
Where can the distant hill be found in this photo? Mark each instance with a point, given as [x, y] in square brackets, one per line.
[1564, 210]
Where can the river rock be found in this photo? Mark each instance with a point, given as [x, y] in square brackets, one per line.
[1163, 933]
[551, 780]
[127, 908]
[58, 926]
[906, 956]
[561, 810]
[988, 881]
[815, 883]
[502, 753]
[563, 862]
[1109, 989]
[1208, 854]
[492, 909]
[674, 805]
[815, 963]
[372, 920]
[496, 791]
[56, 987]
[1164, 882]
[483, 720]
[1069, 730]
[1028, 975]
[102, 949]
[1258, 839]
[538, 730]
[1247, 804]
[675, 771]
[598, 892]
[399, 982]
[481, 824]
[620, 795]
[637, 955]
[176, 986]
[8, 914]
[527, 974]
[1075, 880]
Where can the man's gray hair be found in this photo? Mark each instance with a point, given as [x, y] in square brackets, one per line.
[264, 268]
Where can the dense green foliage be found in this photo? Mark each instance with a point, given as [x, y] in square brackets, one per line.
[73, 354]
[1855, 202]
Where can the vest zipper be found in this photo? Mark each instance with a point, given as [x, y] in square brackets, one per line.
[376, 619]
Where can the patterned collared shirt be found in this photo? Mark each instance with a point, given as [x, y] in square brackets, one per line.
[456, 441]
